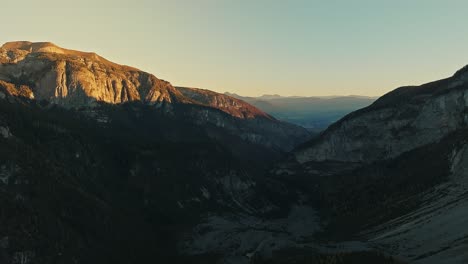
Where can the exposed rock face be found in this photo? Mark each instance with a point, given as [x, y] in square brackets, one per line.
[12, 89]
[402, 120]
[394, 174]
[74, 79]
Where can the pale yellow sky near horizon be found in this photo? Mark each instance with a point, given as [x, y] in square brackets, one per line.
[298, 47]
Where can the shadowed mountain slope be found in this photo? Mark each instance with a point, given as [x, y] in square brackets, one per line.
[392, 175]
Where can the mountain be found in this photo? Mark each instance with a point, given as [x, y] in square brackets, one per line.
[313, 113]
[74, 189]
[74, 79]
[402, 120]
[104, 163]
[386, 181]
[392, 175]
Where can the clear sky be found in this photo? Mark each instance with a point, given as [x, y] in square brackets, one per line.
[254, 47]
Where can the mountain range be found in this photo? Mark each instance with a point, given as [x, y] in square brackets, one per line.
[313, 113]
[104, 163]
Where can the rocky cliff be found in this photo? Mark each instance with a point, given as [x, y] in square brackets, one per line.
[392, 175]
[402, 120]
[74, 79]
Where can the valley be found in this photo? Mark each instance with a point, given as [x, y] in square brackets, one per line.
[104, 163]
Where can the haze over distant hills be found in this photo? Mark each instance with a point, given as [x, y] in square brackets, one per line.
[314, 113]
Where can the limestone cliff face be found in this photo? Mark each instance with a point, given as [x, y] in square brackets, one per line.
[73, 78]
[402, 120]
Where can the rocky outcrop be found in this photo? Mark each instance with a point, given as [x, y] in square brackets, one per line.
[12, 89]
[402, 120]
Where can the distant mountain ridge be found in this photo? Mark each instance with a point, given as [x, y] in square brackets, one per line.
[278, 96]
[315, 113]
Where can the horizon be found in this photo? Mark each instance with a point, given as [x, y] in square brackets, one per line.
[299, 48]
[232, 92]
[329, 96]
[300, 96]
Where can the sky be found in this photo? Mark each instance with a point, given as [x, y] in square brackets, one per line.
[255, 47]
